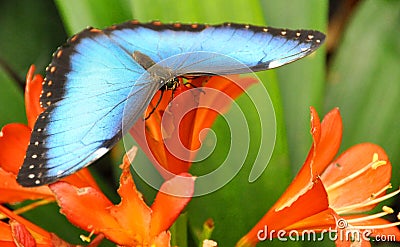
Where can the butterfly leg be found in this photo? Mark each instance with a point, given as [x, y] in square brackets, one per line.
[158, 102]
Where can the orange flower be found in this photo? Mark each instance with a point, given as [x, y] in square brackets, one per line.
[323, 189]
[14, 138]
[21, 232]
[131, 222]
[172, 134]
[356, 182]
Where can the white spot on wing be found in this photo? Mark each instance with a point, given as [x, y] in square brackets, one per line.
[100, 152]
[97, 154]
[275, 64]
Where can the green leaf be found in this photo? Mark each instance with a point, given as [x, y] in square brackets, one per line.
[179, 231]
[364, 79]
[301, 83]
[11, 101]
[78, 14]
[24, 40]
[201, 11]
[31, 32]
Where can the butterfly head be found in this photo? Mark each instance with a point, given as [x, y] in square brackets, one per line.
[170, 84]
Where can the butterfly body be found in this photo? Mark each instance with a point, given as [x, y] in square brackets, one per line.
[98, 74]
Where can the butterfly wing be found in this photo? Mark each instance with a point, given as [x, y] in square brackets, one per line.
[222, 49]
[85, 90]
[95, 76]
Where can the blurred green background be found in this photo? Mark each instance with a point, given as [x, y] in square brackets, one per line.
[357, 70]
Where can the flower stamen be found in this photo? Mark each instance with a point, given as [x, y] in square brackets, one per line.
[373, 227]
[86, 238]
[373, 165]
[386, 210]
[381, 191]
[367, 202]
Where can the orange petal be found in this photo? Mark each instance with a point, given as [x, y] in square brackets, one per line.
[57, 241]
[315, 200]
[360, 188]
[306, 174]
[211, 104]
[132, 213]
[21, 235]
[182, 114]
[326, 141]
[171, 199]
[12, 192]
[315, 125]
[86, 208]
[170, 137]
[327, 137]
[324, 220]
[149, 138]
[162, 240]
[32, 95]
[6, 238]
[177, 129]
[329, 142]
[14, 140]
[41, 236]
[82, 178]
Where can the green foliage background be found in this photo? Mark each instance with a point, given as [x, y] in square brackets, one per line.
[362, 78]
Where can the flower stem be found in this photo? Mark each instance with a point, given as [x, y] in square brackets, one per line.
[179, 231]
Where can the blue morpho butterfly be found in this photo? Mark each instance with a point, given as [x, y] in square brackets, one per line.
[99, 72]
